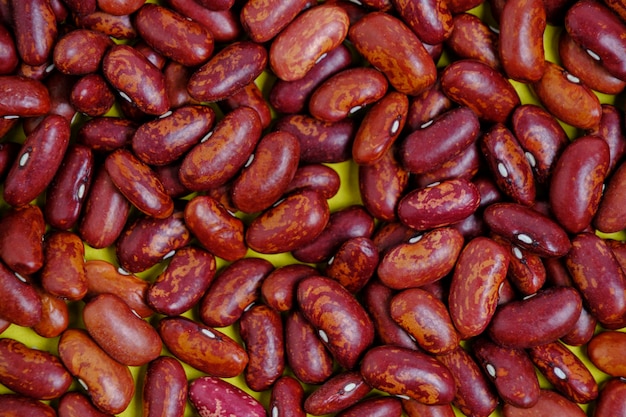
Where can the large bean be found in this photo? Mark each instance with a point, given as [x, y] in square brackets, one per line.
[611, 401]
[354, 263]
[336, 394]
[35, 29]
[262, 21]
[287, 398]
[23, 97]
[606, 351]
[21, 239]
[431, 20]
[610, 216]
[550, 404]
[15, 405]
[75, 404]
[63, 271]
[164, 388]
[472, 38]
[210, 395]
[279, 287]
[80, 51]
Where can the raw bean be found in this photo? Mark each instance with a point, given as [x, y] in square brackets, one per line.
[164, 140]
[75, 404]
[610, 216]
[583, 330]
[576, 186]
[119, 27]
[480, 270]
[306, 354]
[599, 278]
[289, 224]
[511, 372]
[14, 405]
[340, 320]
[354, 263]
[21, 239]
[164, 388]
[81, 7]
[617, 6]
[508, 164]
[382, 184]
[9, 55]
[138, 183]
[263, 21]
[431, 20]
[409, 373]
[184, 41]
[20, 303]
[339, 392]
[481, 88]
[213, 162]
[91, 95]
[472, 38]
[105, 134]
[103, 278]
[233, 290]
[306, 39]
[211, 395]
[133, 76]
[414, 408]
[440, 204]
[35, 28]
[390, 46]
[350, 222]
[606, 352]
[31, 372]
[612, 131]
[176, 79]
[565, 371]
[287, 398]
[251, 96]
[318, 177]
[537, 320]
[223, 24]
[63, 272]
[217, 4]
[23, 97]
[264, 180]
[55, 316]
[119, 7]
[522, 25]
[426, 106]
[279, 287]
[465, 165]
[527, 228]
[374, 407]
[474, 396]
[566, 98]
[183, 283]
[611, 401]
[550, 404]
[220, 232]
[526, 270]
[105, 212]
[39, 158]
[242, 61]
[261, 329]
[426, 319]
[597, 29]
[80, 51]
[109, 384]
[202, 347]
[59, 88]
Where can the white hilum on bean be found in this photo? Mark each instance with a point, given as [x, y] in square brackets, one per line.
[502, 170]
[531, 159]
[491, 370]
[208, 333]
[349, 387]
[321, 57]
[395, 126]
[517, 252]
[525, 238]
[125, 96]
[593, 55]
[573, 78]
[24, 158]
[323, 335]
[559, 373]
[274, 411]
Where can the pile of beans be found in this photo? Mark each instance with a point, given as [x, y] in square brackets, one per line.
[189, 144]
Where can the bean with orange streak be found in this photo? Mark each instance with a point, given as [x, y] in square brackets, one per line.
[526, 270]
[251, 96]
[605, 350]
[414, 408]
[80, 51]
[278, 288]
[431, 20]
[165, 388]
[472, 38]
[14, 405]
[35, 29]
[76, 404]
[55, 315]
[336, 394]
[611, 401]
[63, 271]
[223, 24]
[354, 263]
[21, 239]
[263, 20]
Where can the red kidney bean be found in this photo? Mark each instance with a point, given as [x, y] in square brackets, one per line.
[526, 270]
[91, 95]
[211, 395]
[527, 228]
[213, 162]
[104, 278]
[233, 290]
[480, 270]
[287, 398]
[466, 165]
[341, 322]
[566, 98]
[109, 384]
[75, 404]
[349, 222]
[582, 331]
[217, 4]
[261, 329]
[59, 88]
[81, 7]
[144, 85]
[193, 41]
[426, 319]
[565, 371]
[15, 405]
[274, 162]
[138, 183]
[105, 212]
[176, 79]
[318, 177]
[66, 194]
[20, 302]
[423, 378]
[597, 29]
[63, 271]
[320, 141]
[426, 106]
[612, 131]
[428, 147]
[422, 260]
[588, 256]
[474, 39]
[440, 204]
[243, 62]
[119, 7]
[105, 134]
[611, 401]
[223, 24]
[157, 59]
[430, 20]
[511, 372]
[509, 165]
[251, 96]
[164, 399]
[481, 88]
[35, 28]
[610, 216]
[390, 46]
[354, 263]
[202, 347]
[80, 51]
[279, 287]
[305, 352]
[540, 319]
[21, 239]
[382, 184]
[374, 407]
[414, 408]
[263, 21]
[339, 392]
[31, 372]
[9, 55]
[605, 350]
[550, 404]
[23, 97]
[39, 158]
[220, 232]
[119, 27]
[54, 315]
[577, 180]
[183, 283]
